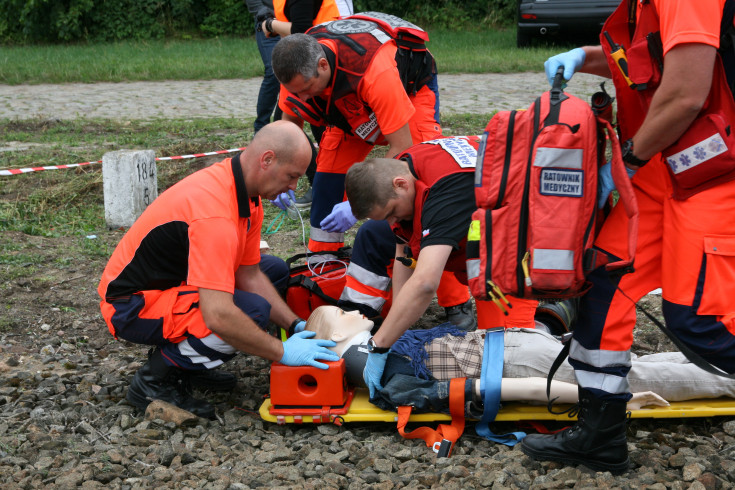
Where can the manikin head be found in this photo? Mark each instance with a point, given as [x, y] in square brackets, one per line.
[350, 330]
[346, 328]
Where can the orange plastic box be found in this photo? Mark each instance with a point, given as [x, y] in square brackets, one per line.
[308, 386]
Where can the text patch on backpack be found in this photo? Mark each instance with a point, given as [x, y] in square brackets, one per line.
[562, 182]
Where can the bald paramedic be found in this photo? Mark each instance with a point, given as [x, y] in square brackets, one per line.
[188, 278]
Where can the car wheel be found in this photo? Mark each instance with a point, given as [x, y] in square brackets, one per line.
[522, 39]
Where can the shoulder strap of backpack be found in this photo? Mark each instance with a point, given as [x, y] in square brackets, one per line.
[441, 440]
[627, 198]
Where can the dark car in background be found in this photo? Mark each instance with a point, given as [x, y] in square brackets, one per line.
[546, 18]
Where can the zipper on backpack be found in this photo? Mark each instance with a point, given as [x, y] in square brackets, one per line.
[524, 266]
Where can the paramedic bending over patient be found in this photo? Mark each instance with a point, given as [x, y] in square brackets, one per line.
[422, 360]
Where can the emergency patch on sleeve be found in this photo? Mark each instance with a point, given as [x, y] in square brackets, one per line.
[459, 148]
[697, 154]
[562, 182]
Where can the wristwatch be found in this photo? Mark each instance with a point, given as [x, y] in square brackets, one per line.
[269, 25]
[372, 348]
[628, 155]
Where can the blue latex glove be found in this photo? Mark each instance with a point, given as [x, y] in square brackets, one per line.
[606, 183]
[300, 326]
[571, 61]
[340, 219]
[373, 372]
[285, 200]
[301, 350]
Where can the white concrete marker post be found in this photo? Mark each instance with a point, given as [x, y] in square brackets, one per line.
[130, 184]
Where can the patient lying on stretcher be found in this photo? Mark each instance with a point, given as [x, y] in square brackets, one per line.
[422, 362]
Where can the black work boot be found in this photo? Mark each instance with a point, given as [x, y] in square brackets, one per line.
[462, 316]
[211, 379]
[559, 317]
[156, 380]
[597, 440]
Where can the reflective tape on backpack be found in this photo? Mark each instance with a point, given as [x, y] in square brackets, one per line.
[552, 259]
[473, 268]
[559, 157]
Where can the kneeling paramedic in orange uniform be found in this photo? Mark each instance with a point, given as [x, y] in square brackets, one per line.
[427, 196]
[674, 113]
[188, 277]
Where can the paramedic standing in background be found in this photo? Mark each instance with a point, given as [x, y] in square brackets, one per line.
[673, 107]
[344, 76]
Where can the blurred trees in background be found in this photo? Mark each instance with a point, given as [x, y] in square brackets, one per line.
[60, 21]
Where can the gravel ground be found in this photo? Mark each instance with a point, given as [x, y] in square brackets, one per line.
[64, 421]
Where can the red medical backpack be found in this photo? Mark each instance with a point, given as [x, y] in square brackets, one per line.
[536, 192]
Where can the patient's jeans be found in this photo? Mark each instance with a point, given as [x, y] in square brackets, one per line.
[401, 387]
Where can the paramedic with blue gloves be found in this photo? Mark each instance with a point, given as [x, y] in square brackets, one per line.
[427, 197]
[343, 76]
[673, 105]
[188, 277]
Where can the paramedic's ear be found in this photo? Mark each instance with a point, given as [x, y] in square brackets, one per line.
[401, 182]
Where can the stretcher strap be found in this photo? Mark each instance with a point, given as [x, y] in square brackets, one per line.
[490, 380]
[441, 440]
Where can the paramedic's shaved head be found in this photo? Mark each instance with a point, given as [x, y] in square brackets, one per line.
[285, 138]
[369, 184]
[273, 162]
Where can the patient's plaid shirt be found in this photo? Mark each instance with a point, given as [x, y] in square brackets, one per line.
[456, 357]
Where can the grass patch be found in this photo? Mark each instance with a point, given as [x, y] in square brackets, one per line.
[482, 51]
[205, 59]
[70, 202]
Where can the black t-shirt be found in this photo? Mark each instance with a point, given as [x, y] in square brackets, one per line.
[301, 13]
[447, 211]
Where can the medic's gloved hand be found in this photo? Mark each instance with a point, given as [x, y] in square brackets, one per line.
[571, 61]
[373, 372]
[299, 326]
[606, 183]
[301, 350]
[340, 219]
[285, 200]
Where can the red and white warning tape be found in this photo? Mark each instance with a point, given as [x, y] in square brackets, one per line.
[17, 171]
